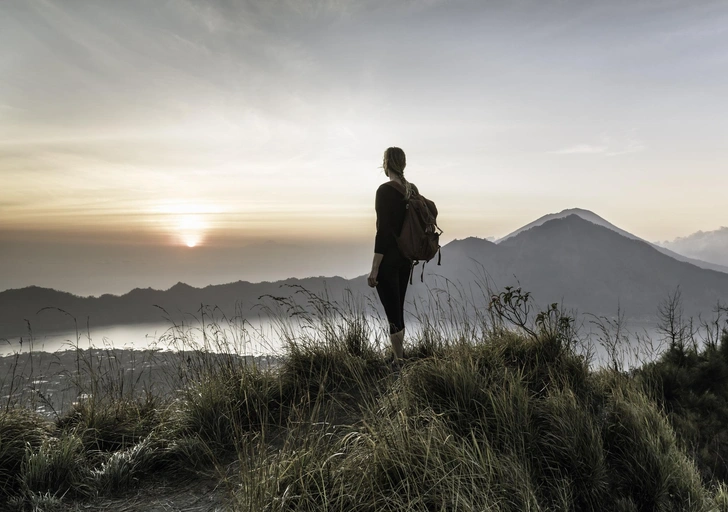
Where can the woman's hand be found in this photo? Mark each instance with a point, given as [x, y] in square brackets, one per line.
[372, 279]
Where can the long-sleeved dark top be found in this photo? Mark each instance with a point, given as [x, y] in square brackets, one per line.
[390, 206]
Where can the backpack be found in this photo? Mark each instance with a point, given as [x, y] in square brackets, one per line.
[419, 239]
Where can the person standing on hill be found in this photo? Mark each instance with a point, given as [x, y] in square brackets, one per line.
[390, 269]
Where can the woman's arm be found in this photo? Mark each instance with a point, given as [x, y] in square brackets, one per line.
[383, 239]
[385, 204]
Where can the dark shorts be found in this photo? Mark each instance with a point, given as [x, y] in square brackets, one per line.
[391, 288]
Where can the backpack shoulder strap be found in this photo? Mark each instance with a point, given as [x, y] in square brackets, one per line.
[397, 187]
[402, 190]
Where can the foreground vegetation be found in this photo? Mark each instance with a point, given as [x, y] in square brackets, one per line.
[480, 417]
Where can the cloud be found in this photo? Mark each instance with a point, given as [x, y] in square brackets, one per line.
[606, 148]
[705, 245]
[580, 149]
[632, 146]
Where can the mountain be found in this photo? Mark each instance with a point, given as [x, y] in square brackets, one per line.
[687, 256]
[710, 246]
[587, 266]
[595, 269]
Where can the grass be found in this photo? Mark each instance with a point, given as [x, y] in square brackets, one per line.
[21, 432]
[453, 433]
[483, 416]
[690, 383]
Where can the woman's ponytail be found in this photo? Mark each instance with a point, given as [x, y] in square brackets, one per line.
[395, 161]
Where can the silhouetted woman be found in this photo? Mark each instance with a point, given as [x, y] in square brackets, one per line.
[390, 270]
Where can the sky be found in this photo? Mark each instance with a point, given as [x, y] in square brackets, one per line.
[144, 143]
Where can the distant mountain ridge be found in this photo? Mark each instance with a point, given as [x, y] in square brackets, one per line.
[596, 219]
[585, 265]
[39, 306]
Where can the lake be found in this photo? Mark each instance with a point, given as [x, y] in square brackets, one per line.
[259, 337]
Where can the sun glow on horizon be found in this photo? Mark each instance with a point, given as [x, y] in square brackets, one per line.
[191, 229]
[186, 223]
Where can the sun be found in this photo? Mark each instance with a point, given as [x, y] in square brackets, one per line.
[187, 224]
[190, 229]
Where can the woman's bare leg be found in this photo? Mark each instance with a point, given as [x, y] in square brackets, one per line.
[397, 340]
